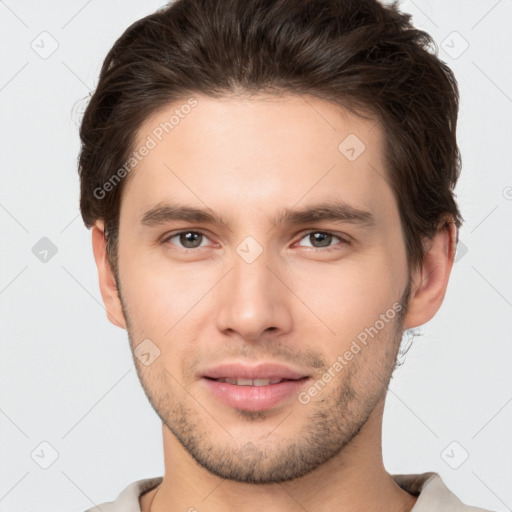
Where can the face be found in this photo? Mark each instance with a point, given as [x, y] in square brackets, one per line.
[261, 259]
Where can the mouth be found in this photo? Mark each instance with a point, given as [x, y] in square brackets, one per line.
[253, 382]
[254, 388]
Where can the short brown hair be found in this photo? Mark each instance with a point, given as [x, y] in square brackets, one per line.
[359, 54]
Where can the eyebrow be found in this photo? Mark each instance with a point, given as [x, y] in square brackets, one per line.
[338, 211]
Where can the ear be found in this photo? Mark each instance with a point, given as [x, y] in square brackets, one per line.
[107, 282]
[431, 280]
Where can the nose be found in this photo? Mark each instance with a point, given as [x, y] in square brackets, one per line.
[254, 300]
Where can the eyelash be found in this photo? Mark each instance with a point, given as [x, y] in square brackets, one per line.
[343, 241]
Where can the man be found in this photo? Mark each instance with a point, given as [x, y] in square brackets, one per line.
[270, 190]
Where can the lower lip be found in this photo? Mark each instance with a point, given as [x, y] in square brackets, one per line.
[254, 398]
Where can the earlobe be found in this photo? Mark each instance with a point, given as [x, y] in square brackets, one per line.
[108, 287]
[430, 282]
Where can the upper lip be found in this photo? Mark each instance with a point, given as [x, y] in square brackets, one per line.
[260, 371]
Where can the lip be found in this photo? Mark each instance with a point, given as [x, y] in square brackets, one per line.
[254, 398]
[260, 371]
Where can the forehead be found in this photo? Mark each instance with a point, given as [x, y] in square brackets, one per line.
[235, 154]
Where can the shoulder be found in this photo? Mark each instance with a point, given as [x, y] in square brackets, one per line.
[128, 499]
[433, 494]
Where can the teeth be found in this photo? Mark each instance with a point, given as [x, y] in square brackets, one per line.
[261, 382]
[250, 382]
[243, 382]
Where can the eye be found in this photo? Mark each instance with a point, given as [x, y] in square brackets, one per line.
[319, 239]
[187, 239]
[190, 240]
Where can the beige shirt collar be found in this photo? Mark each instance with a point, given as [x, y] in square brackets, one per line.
[433, 495]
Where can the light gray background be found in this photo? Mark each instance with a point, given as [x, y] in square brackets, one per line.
[67, 377]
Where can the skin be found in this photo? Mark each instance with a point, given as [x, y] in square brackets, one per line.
[246, 159]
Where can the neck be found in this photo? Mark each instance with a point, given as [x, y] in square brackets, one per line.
[353, 480]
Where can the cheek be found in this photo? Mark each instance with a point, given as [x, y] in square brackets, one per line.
[350, 292]
[167, 302]
[167, 308]
[159, 299]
